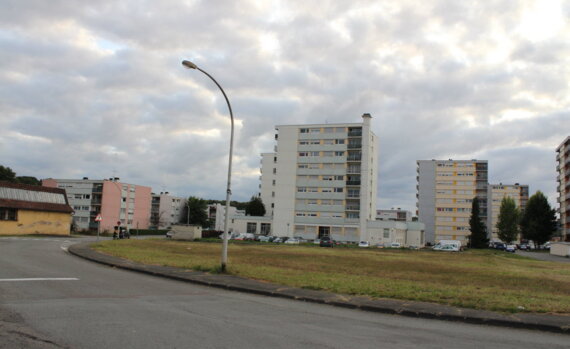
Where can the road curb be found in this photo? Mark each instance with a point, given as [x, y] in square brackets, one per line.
[542, 322]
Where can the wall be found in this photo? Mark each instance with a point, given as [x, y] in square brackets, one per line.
[37, 222]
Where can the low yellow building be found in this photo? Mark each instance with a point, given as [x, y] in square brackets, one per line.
[30, 209]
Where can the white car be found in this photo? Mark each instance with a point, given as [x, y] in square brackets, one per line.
[395, 245]
[292, 241]
[363, 244]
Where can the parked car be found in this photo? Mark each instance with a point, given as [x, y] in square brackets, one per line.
[510, 248]
[263, 238]
[326, 242]
[395, 245]
[363, 244]
[524, 247]
[169, 234]
[292, 241]
[277, 240]
[499, 246]
[317, 241]
[447, 248]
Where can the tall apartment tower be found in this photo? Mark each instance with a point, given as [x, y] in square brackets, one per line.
[446, 189]
[563, 186]
[166, 210]
[321, 180]
[518, 192]
[115, 201]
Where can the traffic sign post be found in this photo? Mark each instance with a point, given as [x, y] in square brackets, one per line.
[98, 220]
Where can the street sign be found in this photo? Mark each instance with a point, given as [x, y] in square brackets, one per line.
[98, 218]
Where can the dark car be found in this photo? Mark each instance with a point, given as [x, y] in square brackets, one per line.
[326, 242]
[500, 246]
[524, 247]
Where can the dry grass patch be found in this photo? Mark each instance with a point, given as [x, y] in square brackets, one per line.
[474, 279]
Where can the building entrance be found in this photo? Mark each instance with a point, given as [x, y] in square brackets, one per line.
[324, 231]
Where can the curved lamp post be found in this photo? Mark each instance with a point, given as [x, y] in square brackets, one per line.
[191, 65]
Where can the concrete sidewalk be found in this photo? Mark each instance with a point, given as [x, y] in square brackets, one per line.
[543, 322]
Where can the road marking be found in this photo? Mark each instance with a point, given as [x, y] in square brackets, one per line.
[41, 279]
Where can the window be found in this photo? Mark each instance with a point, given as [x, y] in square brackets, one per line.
[78, 196]
[339, 141]
[251, 227]
[328, 141]
[303, 130]
[328, 153]
[265, 228]
[326, 190]
[274, 171]
[303, 166]
[303, 153]
[301, 189]
[386, 233]
[338, 153]
[338, 190]
[303, 142]
[329, 129]
[8, 214]
[314, 130]
[312, 202]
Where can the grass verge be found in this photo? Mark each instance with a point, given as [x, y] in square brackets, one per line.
[478, 279]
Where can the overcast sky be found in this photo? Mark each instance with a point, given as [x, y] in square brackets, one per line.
[96, 88]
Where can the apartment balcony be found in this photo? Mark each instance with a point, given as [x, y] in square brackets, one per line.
[355, 170]
[353, 196]
[307, 195]
[354, 145]
[354, 157]
[353, 208]
[355, 133]
[318, 171]
[319, 208]
[319, 220]
[352, 182]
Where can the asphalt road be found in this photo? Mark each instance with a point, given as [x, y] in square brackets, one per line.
[51, 299]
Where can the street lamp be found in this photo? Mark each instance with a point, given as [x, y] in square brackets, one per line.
[191, 65]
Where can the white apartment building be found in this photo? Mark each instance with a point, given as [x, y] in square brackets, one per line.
[166, 210]
[217, 215]
[394, 214]
[321, 180]
[518, 192]
[563, 186]
[446, 189]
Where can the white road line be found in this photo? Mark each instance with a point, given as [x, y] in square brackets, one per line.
[41, 279]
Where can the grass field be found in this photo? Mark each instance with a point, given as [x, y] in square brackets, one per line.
[479, 279]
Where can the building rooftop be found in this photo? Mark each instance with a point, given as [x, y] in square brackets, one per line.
[33, 197]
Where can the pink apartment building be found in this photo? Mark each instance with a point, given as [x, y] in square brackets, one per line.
[110, 199]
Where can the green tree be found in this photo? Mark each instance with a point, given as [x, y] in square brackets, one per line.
[255, 207]
[507, 225]
[6, 174]
[478, 237]
[198, 214]
[28, 180]
[538, 221]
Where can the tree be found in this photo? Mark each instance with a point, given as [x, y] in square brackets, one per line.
[478, 237]
[6, 174]
[28, 180]
[507, 224]
[538, 221]
[198, 215]
[255, 207]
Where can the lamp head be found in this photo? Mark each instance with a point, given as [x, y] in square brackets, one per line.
[189, 65]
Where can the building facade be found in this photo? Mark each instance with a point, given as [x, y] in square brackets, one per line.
[563, 186]
[517, 192]
[166, 210]
[394, 215]
[445, 192]
[321, 180]
[217, 216]
[114, 201]
[33, 209]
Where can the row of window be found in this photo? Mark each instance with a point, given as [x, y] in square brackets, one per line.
[455, 164]
[324, 130]
[452, 219]
[328, 214]
[454, 183]
[322, 141]
[321, 153]
[81, 208]
[451, 192]
[451, 174]
[324, 202]
[447, 227]
[323, 177]
[450, 201]
[453, 209]
[323, 166]
[319, 190]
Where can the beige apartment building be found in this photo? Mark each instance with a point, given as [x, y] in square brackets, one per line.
[518, 192]
[446, 189]
[563, 186]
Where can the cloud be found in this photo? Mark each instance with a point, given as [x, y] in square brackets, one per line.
[97, 89]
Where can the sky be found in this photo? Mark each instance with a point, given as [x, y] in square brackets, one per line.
[96, 88]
